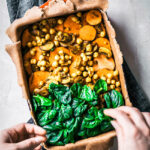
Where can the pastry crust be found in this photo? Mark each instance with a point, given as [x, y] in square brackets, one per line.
[59, 8]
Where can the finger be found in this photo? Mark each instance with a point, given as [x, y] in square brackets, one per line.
[147, 118]
[38, 148]
[137, 117]
[31, 143]
[122, 118]
[34, 129]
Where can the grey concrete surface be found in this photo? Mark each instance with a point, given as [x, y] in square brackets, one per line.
[131, 19]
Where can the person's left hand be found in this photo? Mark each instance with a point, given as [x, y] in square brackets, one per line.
[22, 137]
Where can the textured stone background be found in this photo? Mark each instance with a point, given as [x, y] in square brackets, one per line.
[131, 19]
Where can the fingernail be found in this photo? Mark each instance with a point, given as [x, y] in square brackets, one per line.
[40, 139]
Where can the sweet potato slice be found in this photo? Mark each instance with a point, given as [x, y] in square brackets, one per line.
[35, 79]
[26, 37]
[104, 63]
[94, 17]
[87, 33]
[71, 26]
[103, 42]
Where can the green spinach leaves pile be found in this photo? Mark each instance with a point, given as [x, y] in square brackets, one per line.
[71, 114]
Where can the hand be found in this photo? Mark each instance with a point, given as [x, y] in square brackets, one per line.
[132, 128]
[22, 137]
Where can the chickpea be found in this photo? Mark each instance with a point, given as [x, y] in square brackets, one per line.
[62, 57]
[79, 14]
[69, 62]
[43, 63]
[34, 27]
[57, 57]
[58, 78]
[113, 81]
[61, 52]
[59, 33]
[60, 21]
[79, 41]
[56, 43]
[90, 73]
[84, 63]
[115, 73]
[87, 68]
[88, 79]
[65, 69]
[108, 81]
[91, 69]
[34, 43]
[73, 75]
[41, 83]
[85, 74]
[89, 57]
[52, 31]
[112, 87]
[82, 55]
[90, 63]
[85, 58]
[95, 54]
[42, 68]
[36, 90]
[103, 78]
[33, 61]
[82, 68]
[89, 48]
[74, 19]
[32, 52]
[79, 72]
[117, 83]
[109, 75]
[47, 36]
[44, 53]
[55, 64]
[39, 63]
[44, 30]
[67, 57]
[37, 38]
[29, 44]
[47, 55]
[61, 62]
[95, 76]
[44, 22]
[43, 40]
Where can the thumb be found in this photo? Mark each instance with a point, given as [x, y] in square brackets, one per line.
[31, 143]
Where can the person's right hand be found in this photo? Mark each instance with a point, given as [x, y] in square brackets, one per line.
[132, 128]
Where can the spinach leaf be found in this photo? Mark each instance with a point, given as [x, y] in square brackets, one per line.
[61, 92]
[87, 94]
[113, 99]
[65, 112]
[41, 101]
[100, 86]
[76, 89]
[57, 105]
[105, 126]
[53, 126]
[79, 106]
[102, 116]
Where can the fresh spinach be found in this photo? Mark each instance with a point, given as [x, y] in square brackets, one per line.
[100, 86]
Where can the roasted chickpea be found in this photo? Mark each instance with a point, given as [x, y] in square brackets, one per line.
[79, 41]
[60, 21]
[79, 72]
[90, 63]
[82, 68]
[95, 54]
[89, 57]
[91, 69]
[44, 22]
[42, 68]
[117, 83]
[73, 75]
[32, 52]
[37, 38]
[41, 57]
[39, 63]
[108, 81]
[58, 78]
[85, 74]
[85, 58]
[55, 64]
[34, 27]
[82, 55]
[44, 30]
[112, 87]
[56, 43]
[57, 57]
[41, 83]
[103, 78]
[69, 62]
[33, 61]
[47, 36]
[109, 75]
[74, 19]
[115, 73]
[67, 57]
[61, 52]
[95, 76]
[88, 79]
[89, 48]
[61, 62]
[113, 81]
[43, 40]
[52, 31]
[34, 43]
[43, 63]
[65, 69]
[62, 57]
[79, 14]
[29, 44]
